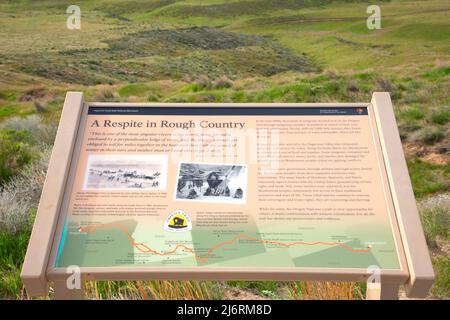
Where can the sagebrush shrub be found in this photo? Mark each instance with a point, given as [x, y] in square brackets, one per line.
[19, 197]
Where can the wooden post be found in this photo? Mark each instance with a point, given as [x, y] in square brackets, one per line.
[382, 291]
[34, 270]
[416, 250]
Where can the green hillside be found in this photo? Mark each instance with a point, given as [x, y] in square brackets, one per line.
[221, 51]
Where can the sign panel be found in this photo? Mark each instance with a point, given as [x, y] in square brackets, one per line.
[229, 187]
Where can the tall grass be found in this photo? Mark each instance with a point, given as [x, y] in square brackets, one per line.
[153, 290]
[324, 291]
[435, 217]
[211, 290]
[12, 253]
[436, 225]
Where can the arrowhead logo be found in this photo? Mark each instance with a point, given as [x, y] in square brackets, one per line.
[178, 221]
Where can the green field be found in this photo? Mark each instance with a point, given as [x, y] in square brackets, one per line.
[221, 51]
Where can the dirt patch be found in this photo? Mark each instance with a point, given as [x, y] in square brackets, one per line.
[412, 149]
[439, 153]
[436, 158]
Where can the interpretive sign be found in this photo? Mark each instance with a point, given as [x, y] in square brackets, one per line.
[228, 191]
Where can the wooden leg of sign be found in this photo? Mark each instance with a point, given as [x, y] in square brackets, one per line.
[62, 292]
[389, 291]
[382, 291]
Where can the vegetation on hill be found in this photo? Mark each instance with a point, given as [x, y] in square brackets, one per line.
[221, 51]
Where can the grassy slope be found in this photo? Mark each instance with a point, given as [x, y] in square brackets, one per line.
[40, 59]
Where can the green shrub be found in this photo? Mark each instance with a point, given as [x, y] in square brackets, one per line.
[42, 133]
[7, 110]
[411, 114]
[431, 135]
[408, 126]
[15, 152]
[440, 116]
[441, 285]
[8, 95]
[427, 177]
[438, 73]
[436, 223]
[203, 82]
[134, 89]
[153, 98]
[222, 83]
[12, 254]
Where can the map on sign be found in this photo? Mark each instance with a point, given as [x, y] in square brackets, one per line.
[232, 187]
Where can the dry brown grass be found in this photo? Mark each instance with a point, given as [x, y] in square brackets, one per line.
[153, 290]
[323, 291]
[202, 290]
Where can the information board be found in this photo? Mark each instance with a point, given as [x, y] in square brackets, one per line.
[237, 187]
[228, 191]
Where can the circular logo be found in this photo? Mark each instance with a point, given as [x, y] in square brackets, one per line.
[178, 221]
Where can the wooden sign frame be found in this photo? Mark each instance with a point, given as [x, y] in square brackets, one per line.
[416, 271]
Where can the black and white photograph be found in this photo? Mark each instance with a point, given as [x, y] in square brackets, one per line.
[123, 172]
[208, 182]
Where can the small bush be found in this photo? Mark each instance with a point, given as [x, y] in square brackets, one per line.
[436, 223]
[222, 83]
[19, 197]
[441, 285]
[153, 98]
[12, 254]
[384, 84]
[39, 106]
[33, 94]
[202, 83]
[8, 95]
[41, 133]
[441, 116]
[438, 73]
[408, 126]
[431, 135]
[411, 114]
[134, 89]
[427, 177]
[352, 86]
[205, 98]
[104, 95]
[15, 153]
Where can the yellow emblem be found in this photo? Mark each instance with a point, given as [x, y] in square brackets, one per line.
[178, 221]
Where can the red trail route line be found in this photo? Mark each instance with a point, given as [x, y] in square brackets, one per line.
[146, 249]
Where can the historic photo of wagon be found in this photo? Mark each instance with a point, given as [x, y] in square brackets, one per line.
[120, 172]
[219, 183]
